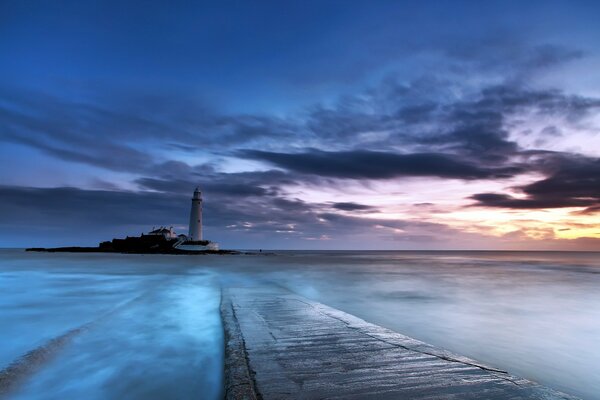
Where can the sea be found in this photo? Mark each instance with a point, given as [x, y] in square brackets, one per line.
[115, 326]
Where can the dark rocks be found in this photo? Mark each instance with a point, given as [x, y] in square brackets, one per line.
[144, 244]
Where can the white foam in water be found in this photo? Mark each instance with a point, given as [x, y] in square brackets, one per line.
[156, 331]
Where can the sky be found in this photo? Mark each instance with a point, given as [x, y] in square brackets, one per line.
[409, 125]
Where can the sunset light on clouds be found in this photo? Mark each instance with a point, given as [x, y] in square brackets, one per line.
[355, 128]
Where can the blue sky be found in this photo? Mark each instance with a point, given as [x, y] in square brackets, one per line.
[308, 124]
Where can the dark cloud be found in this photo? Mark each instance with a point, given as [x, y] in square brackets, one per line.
[506, 201]
[424, 116]
[362, 164]
[590, 210]
[130, 138]
[238, 184]
[573, 181]
[422, 121]
[68, 208]
[514, 99]
[183, 186]
[73, 131]
[349, 206]
[479, 128]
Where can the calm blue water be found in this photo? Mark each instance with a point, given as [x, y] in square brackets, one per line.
[151, 327]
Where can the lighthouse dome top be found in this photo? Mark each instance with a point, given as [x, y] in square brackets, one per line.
[197, 193]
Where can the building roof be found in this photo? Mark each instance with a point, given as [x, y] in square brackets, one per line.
[161, 230]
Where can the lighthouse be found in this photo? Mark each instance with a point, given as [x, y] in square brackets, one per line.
[194, 241]
[195, 233]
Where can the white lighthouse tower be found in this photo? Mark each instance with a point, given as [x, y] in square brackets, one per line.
[195, 233]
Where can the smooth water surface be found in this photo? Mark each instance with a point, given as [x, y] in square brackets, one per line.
[152, 327]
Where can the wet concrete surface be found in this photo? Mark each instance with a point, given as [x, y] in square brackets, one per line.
[280, 345]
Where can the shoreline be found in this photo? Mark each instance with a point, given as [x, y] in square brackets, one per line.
[149, 251]
[173, 251]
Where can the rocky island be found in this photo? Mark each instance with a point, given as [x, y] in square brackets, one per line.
[160, 240]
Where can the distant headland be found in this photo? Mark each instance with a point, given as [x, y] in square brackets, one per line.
[160, 240]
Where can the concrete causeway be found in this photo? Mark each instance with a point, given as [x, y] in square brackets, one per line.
[280, 345]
